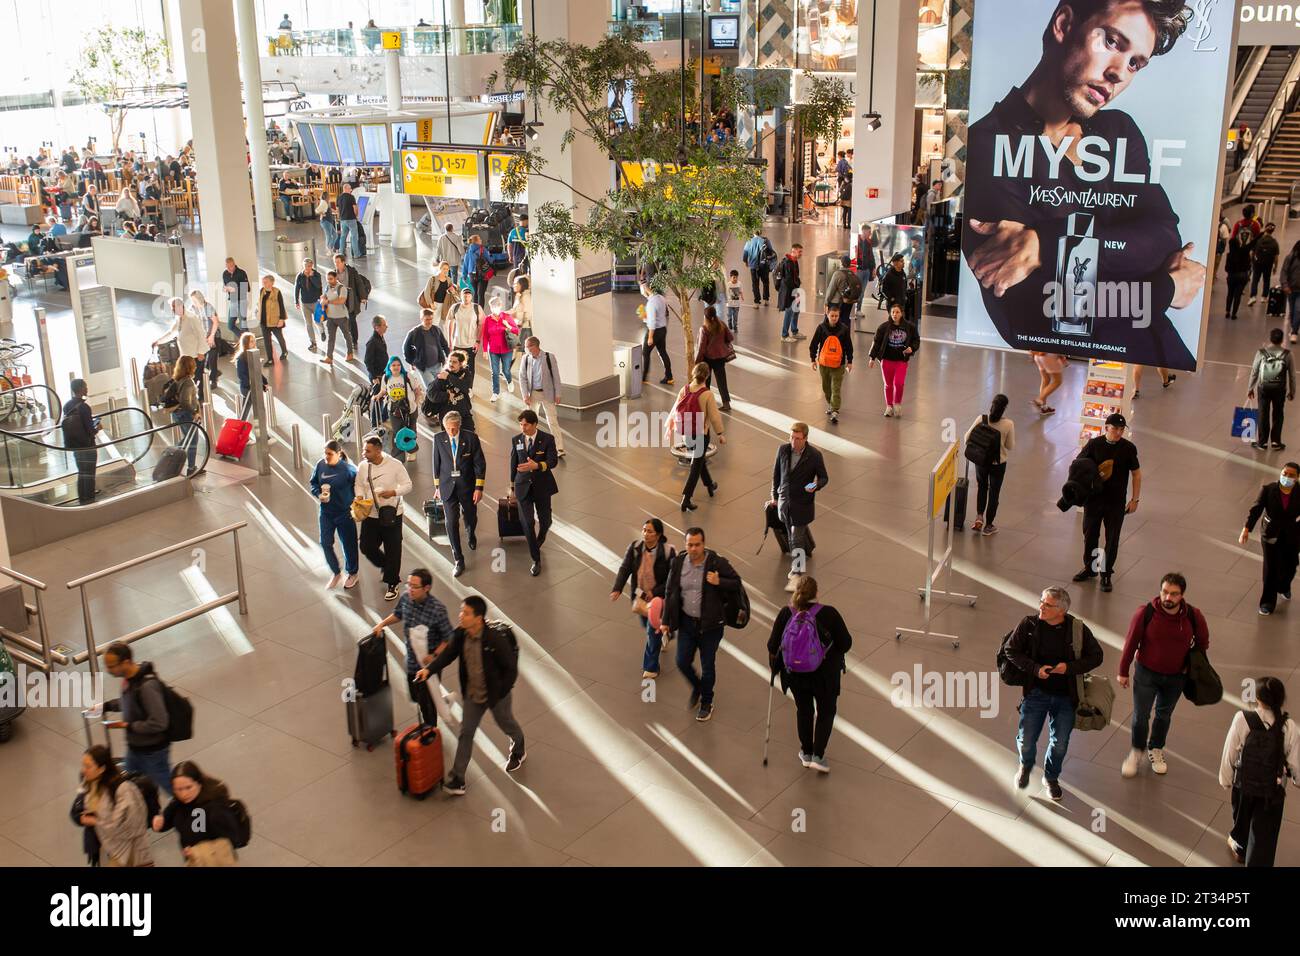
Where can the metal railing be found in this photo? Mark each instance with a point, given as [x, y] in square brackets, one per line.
[416, 41]
[240, 594]
[24, 648]
[1276, 113]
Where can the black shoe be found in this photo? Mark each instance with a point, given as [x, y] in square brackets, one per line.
[1258, 446]
[1105, 583]
[516, 761]
[1022, 776]
[1084, 575]
[695, 700]
[1279, 446]
[454, 786]
[536, 569]
[1265, 610]
[688, 505]
[473, 541]
[458, 570]
[1054, 789]
[267, 364]
[665, 381]
[705, 712]
[1169, 381]
[711, 489]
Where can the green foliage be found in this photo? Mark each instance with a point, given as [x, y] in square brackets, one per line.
[692, 199]
[826, 102]
[116, 59]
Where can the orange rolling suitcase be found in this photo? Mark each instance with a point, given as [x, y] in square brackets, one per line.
[419, 760]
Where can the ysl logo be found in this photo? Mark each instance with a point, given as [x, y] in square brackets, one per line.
[1203, 10]
[1080, 268]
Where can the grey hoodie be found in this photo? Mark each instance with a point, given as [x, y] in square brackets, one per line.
[144, 709]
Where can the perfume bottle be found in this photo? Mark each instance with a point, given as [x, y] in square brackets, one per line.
[1075, 299]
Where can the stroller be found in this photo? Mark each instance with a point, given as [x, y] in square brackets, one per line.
[343, 428]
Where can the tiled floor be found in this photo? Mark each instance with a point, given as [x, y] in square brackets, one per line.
[615, 779]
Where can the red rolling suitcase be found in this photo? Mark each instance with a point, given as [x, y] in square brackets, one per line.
[233, 438]
[419, 760]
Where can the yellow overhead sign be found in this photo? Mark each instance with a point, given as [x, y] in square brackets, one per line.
[392, 39]
[424, 130]
[446, 174]
[497, 163]
[944, 479]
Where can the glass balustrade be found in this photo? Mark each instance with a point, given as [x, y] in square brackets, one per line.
[416, 41]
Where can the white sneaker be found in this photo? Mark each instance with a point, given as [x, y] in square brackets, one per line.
[898, 411]
[1129, 768]
[495, 396]
[1157, 758]
[333, 582]
[889, 411]
[351, 582]
[1252, 300]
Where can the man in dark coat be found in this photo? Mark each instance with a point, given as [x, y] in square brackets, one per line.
[459, 471]
[798, 474]
[1279, 505]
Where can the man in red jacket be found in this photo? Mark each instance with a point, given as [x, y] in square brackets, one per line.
[1159, 636]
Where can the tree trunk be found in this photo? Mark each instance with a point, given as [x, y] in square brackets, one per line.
[685, 302]
[118, 123]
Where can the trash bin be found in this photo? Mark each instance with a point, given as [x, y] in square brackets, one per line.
[628, 359]
[289, 254]
[828, 263]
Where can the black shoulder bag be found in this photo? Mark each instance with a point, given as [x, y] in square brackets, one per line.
[387, 514]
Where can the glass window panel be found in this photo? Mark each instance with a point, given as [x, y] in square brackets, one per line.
[325, 143]
[349, 145]
[375, 138]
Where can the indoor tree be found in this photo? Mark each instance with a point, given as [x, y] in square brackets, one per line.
[114, 60]
[677, 204]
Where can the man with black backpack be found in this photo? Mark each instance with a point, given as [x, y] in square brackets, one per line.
[153, 715]
[695, 609]
[358, 292]
[759, 257]
[844, 288]
[1045, 656]
[489, 666]
[1272, 381]
[1159, 637]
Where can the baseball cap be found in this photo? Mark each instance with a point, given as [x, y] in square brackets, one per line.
[1117, 420]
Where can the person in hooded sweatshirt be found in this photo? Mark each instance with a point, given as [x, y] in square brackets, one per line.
[1159, 636]
[144, 715]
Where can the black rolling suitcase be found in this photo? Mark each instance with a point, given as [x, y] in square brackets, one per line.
[170, 463]
[370, 707]
[958, 501]
[436, 513]
[508, 523]
[1276, 302]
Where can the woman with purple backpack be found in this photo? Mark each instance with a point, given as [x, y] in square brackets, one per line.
[806, 650]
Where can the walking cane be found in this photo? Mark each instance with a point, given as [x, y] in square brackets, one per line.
[771, 682]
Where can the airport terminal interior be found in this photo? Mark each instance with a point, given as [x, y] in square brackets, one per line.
[377, 118]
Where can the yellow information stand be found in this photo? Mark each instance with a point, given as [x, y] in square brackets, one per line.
[391, 39]
[943, 479]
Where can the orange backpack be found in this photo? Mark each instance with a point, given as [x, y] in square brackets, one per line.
[832, 352]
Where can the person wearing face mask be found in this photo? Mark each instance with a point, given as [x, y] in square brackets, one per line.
[1159, 636]
[1117, 459]
[1279, 504]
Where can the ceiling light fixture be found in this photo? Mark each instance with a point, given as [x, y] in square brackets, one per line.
[871, 116]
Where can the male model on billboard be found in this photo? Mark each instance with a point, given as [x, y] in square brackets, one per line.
[1078, 242]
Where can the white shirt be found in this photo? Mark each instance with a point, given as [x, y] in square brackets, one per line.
[389, 475]
[1237, 739]
[656, 312]
[463, 326]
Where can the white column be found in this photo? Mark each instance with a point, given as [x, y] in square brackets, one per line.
[393, 78]
[212, 67]
[579, 332]
[456, 22]
[251, 69]
[883, 159]
[175, 64]
[396, 205]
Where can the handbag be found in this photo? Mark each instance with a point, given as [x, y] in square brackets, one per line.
[1245, 422]
[387, 513]
[640, 606]
[1096, 695]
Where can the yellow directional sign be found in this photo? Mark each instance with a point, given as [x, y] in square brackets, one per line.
[392, 39]
[944, 479]
[446, 174]
[424, 130]
[497, 163]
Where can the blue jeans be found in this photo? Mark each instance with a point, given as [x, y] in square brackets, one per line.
[1295, 312]
[500, 366]
[348, 227]
[331, 234]
[1058, 711]
[157, 766]
[789, 322]
[654, 642]
[342, 525]
[189, 436]
[1162, 690]
[690, 638]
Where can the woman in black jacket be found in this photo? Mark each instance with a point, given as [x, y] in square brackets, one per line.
[201, 814]
[1237, 264]
[647, 562]
[896, 342]
[814, 691]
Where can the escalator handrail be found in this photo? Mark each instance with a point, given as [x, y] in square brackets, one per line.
[151, 432]
[27, 436]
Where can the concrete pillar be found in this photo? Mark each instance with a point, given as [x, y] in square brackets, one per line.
[175, 64]
[883, 158]
[579, 332]
[212, 67]
[456, 22]
[393, 78]
[251, 69]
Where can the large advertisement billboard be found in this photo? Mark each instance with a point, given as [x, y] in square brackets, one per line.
[1093, 175]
